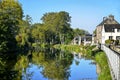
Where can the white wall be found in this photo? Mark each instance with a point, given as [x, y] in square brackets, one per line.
[114, 62]
[105, 35]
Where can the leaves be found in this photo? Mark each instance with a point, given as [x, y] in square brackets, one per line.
[10, 15]
[80, 32]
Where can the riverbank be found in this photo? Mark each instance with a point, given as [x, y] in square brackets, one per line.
[94, 53]
[70, 48]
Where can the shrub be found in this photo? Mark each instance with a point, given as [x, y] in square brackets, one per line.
[109, 41]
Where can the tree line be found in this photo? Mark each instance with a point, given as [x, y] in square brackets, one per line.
[18, 32]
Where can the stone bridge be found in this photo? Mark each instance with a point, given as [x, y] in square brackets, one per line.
[114, 62]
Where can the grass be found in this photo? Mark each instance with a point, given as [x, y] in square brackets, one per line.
[71, 48]
[101, 59]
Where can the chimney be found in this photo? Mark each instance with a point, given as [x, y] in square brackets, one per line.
[111, 17]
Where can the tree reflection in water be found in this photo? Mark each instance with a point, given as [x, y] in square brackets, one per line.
[55, 63]
[48, 64]
[7, 62]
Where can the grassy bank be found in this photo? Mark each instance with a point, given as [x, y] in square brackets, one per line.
[93, 53]
[101, 59]
[71, 48]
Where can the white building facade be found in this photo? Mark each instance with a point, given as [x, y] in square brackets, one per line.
[109, 28]
[110, 32]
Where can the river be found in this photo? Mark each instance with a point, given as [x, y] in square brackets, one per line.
[50, 64]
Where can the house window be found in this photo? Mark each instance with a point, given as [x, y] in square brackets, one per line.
[110, 37]
[118, 30]
[117, 37]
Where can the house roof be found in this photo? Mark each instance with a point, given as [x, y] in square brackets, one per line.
[108, 20]
[88, 37]
[111, 27]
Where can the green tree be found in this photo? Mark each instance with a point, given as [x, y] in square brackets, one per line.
[10, 16]
[57, 25]
[24, 36]
[38, 33]
[80, 32]
[28, 21]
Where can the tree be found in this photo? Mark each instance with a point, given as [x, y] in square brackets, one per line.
[57, 25]
[38, 33]
[10, 16]
[80, 32]
[24, 36]
[28, 20]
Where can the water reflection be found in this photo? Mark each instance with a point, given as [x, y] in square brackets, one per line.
[82, 69]
[49, 64]
[55, 64]
[7, 61]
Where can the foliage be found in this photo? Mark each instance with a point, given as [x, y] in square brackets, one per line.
[21, 63]
[20, 66]
[7, 62]
[101, 59]
[80, 32]
[71, 48]
[109, 41]
[18, 33]
[24, 37]
[2, 64]
[57, 27]
[94, 31]
[38, 33]
[10, 15]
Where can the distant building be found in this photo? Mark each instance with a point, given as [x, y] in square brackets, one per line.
[85, 40]
[109, 28]
[76, 40]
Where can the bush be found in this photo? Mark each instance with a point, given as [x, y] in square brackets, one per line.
[109, 41]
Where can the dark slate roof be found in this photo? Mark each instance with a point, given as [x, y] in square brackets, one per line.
[108, 21]
[111, 27]
[88, 37]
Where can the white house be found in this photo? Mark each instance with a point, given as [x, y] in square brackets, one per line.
[109, 28]
[76, 40]
[85, 40]
[110, 31]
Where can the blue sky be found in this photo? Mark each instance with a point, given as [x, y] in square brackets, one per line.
[86, 14]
